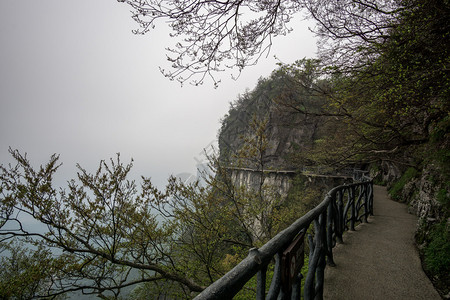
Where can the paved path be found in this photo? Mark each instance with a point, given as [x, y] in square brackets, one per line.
[379, 260]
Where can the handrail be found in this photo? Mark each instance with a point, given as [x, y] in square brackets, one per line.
[331, 218]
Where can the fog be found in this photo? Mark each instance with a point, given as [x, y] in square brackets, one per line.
[75, 81]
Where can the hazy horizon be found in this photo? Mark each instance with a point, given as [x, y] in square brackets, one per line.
[75, 81]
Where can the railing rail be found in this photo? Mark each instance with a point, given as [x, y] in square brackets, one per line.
[341, 209]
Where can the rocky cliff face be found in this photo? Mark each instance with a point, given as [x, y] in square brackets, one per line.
[257, 140]
[424, 189]
[422, 194]
[389, 172]
[252, 180]
[419, 186]
[286, 131]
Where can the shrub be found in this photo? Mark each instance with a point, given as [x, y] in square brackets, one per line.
[443, 198]
[436, 253]
[396, 190]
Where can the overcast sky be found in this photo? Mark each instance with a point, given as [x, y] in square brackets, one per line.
[75, 81]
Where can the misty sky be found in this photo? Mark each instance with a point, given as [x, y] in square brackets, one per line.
[75, 81]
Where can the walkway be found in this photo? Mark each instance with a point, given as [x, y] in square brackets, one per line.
[379, 260]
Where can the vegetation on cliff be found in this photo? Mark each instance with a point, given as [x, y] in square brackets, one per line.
[383, 100]
[377, 96]
[288, 132]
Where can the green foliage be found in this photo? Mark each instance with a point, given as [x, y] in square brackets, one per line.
[436, 252]
[109, 232]
[252, 154]
[164, 289]
[376, 174]
[396, 189]
[441, 130]
[106, 227]
[306, 196]
[104, 231]
[249, 290]
[287, 102]
[384, 106]
[435, 241]
[25, 272]
[443, 198]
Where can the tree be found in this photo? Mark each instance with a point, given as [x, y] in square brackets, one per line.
[104, 234]
[383, 104]
[24, 272]
[350, 31]
[261, 200]
[359, 50]
[214, 35]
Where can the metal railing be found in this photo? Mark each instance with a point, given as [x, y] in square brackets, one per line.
[341, 209]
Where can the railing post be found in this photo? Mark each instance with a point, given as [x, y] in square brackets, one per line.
[330, 220]
[329, 232]
[261, 283]
[313, 288]
[275, 285]
[297, 288]
[353, 208]
[360, 202]
[340, 205]
[320, 272]
[370, 185]
[308, 289]
[364, 187]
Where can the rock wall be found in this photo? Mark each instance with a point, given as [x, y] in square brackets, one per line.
[287, 131]
[422, 195]
[389, 172]
[280, 182]
[419, 192]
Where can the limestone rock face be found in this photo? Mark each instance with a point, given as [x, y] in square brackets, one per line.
[286, 132]
[390, 172]
[257, 140]
[423, 192]
[252, 180]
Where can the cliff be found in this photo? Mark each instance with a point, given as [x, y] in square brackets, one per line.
[285, 133]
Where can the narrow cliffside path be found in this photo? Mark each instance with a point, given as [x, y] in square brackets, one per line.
[379, 260]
